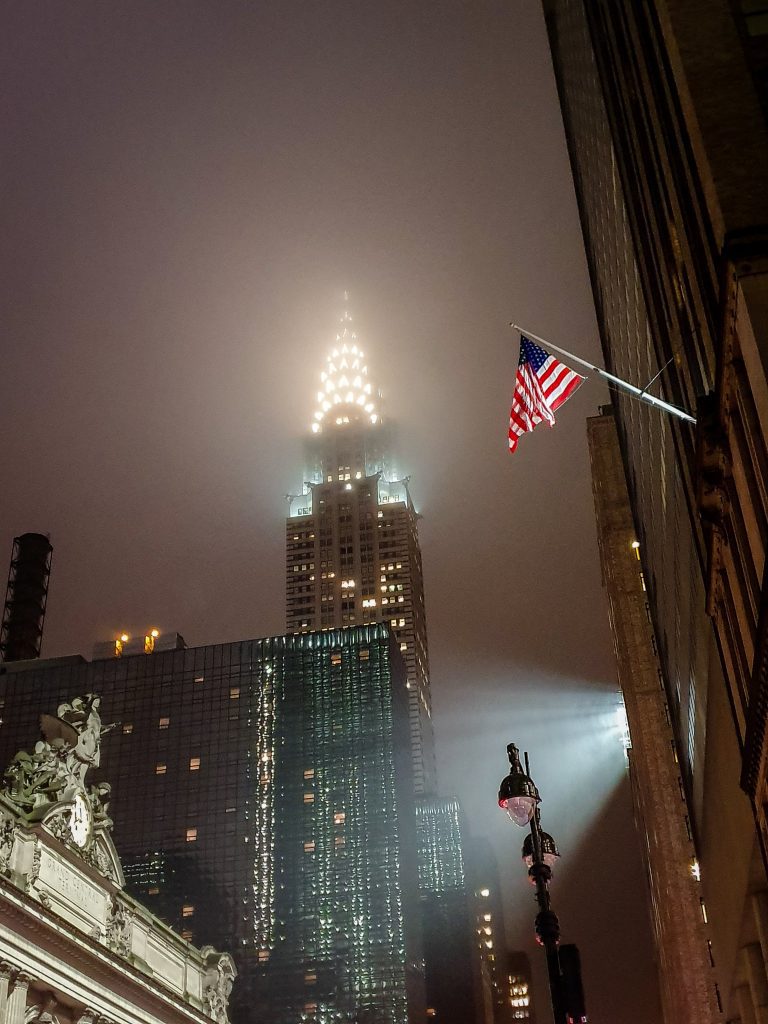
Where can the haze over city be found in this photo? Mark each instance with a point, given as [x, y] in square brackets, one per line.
[190, 190]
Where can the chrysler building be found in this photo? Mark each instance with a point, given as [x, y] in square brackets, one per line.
[352, 551]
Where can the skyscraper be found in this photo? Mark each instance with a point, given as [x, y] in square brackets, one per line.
[458, 990]
[352, 544]
[490, 933]
[264, 801]
[519, 981]
[664, 108]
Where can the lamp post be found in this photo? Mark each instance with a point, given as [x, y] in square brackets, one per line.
[520, 798]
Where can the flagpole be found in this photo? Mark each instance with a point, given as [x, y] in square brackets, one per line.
[637, 392]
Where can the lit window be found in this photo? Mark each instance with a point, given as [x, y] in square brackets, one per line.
[339, 841]
[127, 728]
[403, 646]
[263, 955]
[152, 890]
[199, 679]
[234, 693]
[309, 798]
[194, 764]
[187, 910]
[365, 654]
[161, 769]
[309, 773]
[309, 846]
[310, 978]
[339, 818]
[186, 935]
[336, 658]
[484, 892]
[486, 917]
[191, 835]
[164, 723]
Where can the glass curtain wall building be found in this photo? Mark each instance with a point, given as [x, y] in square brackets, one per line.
[352, 544]
[264, 797]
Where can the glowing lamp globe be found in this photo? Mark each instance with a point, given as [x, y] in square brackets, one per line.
[517, 793]
[519, 808]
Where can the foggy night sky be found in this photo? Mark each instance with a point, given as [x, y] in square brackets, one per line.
[187, 189]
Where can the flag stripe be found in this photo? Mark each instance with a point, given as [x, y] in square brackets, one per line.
[542, 385]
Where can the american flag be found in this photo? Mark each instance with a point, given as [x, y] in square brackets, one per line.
[543, 384]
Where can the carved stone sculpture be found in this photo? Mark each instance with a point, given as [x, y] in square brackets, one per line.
[218, 979]
[7, 830]
[57, 768]
[118, 930]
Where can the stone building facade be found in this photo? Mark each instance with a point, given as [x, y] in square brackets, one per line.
[664, 107]
[74, 947]
[686, 972]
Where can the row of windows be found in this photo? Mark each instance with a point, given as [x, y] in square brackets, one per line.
[162, 768]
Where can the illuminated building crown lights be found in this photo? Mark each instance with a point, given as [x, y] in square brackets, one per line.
[346, 393]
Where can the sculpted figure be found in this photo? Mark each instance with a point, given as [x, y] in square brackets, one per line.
[76, 731]
[219, 977]
[71, 745]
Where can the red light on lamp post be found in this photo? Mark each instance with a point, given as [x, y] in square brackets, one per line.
[517, 793]
[519, 797]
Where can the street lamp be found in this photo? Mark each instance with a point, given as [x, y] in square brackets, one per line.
[520, 799]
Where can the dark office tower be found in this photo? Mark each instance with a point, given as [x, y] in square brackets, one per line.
[491, 937]
[353, 551]
[265, 798]
[456, 993]
[669, 148]
[26, 597]
[520, 988]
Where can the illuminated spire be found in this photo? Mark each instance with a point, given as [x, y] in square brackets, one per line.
[346, 393]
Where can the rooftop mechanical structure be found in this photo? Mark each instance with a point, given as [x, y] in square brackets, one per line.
[26, 597]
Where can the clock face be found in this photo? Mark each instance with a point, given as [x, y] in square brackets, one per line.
[80, 820]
